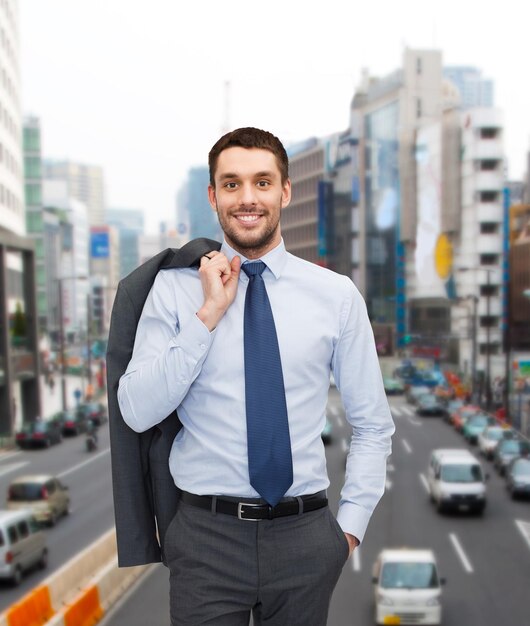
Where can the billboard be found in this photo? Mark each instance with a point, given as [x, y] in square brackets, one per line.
[99, 245]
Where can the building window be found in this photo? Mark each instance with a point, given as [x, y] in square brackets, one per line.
[489, 259]
[488, 228]
[489, 133]
[489, 290]
[488, 196]
[418, 107]
[488, 165]
[418, 65]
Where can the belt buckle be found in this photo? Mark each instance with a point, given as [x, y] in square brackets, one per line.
[240, 511]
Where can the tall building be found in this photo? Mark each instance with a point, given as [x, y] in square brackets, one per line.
[304, 220]
[194, 209]
[104, 272]
[479, 238]
[83, 182]
[474, 90]
[19, 362]
[417, 174]
[130, 224]
[73, 260]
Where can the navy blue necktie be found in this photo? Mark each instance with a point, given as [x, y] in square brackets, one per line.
[270, 462]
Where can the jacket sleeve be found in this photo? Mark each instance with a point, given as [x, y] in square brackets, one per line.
[133, 498]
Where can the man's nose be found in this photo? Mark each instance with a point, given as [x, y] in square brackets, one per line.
[248, 195]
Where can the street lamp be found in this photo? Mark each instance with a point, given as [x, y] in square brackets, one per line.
[475, 330]
[61, 334]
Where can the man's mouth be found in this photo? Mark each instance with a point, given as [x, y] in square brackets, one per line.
[248, 217]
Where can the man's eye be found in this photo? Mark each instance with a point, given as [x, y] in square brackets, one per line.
[263, 183]
[231, 185]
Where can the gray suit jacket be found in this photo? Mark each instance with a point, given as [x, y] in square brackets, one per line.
[145, 496]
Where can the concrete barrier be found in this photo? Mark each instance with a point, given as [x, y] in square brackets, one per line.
[79, 593]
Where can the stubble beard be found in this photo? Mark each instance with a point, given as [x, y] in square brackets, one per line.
[250, 244]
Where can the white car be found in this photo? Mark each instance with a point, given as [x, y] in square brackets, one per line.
[456, 481]
[407, 587]
[489, 439]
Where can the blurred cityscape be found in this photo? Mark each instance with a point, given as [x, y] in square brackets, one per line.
[411, 201]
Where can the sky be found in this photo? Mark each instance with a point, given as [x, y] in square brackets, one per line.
[139, 87]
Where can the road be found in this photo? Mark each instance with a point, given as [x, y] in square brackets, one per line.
[486, 561]
[88, 477]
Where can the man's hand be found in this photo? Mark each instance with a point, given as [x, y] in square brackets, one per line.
[353, 542]
[219, 280]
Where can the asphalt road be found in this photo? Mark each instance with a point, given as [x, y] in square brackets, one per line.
[89, 480]
[486, 561]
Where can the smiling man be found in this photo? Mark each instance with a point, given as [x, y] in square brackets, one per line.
[244, 349]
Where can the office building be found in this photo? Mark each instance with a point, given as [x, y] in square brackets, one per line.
[84, 183]
[19, 356]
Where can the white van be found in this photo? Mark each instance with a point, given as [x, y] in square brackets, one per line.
[22, 545]
[456, 481]
[407, 587]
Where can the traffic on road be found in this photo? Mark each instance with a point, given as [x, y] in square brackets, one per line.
[479, 557]
[453, 525]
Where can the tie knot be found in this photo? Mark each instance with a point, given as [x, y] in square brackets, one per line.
[253, 269]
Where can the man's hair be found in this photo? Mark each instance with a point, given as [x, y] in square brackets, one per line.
[249, 138]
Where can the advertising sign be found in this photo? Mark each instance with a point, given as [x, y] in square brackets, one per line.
[99, 245]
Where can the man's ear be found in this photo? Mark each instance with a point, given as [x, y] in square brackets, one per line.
[286, 193]
[212, 199]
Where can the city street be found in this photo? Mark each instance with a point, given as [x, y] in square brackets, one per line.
[485, 560]
[88, 477]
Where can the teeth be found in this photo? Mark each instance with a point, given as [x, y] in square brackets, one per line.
[248, 218]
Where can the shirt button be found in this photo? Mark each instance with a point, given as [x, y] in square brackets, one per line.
[203, 346]
[183, 380]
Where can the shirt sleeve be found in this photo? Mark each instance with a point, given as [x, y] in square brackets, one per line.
[166, 359]
[358, 377]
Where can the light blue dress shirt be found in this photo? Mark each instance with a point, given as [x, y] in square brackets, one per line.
[322, 327]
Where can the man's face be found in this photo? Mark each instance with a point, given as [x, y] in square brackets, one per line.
[248, 197]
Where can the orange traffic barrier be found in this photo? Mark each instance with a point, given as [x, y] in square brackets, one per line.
[86, 610]
[34, 609]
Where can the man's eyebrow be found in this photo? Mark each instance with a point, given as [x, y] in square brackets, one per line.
[228, 175]
[263, 174]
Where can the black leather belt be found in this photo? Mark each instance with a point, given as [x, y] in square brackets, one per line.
[256, 510]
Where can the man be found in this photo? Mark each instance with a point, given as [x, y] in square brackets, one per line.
[253, 531]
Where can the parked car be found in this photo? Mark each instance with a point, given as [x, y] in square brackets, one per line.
[428, 404]
[461, 415]
[452, 406]
[490, 437]
[413, 393]
[474, 425]
[72, 423]
[22, 545]
[456, 481]
[43, 494]
[518, 477]
[393, 386]
[39, 434]
[407, 587]
[95, 411]
[507, 450]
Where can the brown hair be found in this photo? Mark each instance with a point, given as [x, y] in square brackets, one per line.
[249, 138]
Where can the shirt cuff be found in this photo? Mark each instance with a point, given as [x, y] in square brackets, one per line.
[194, 339]
[353, 519]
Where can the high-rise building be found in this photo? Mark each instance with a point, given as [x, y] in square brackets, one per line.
[19, 362]
[474, 90]
[193, 206]
[84, 183]
[73, 268]
[415, 175]
[130, 224]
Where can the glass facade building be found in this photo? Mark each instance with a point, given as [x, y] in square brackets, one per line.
[382, 212]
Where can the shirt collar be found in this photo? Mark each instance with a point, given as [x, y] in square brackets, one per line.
[275, 259]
